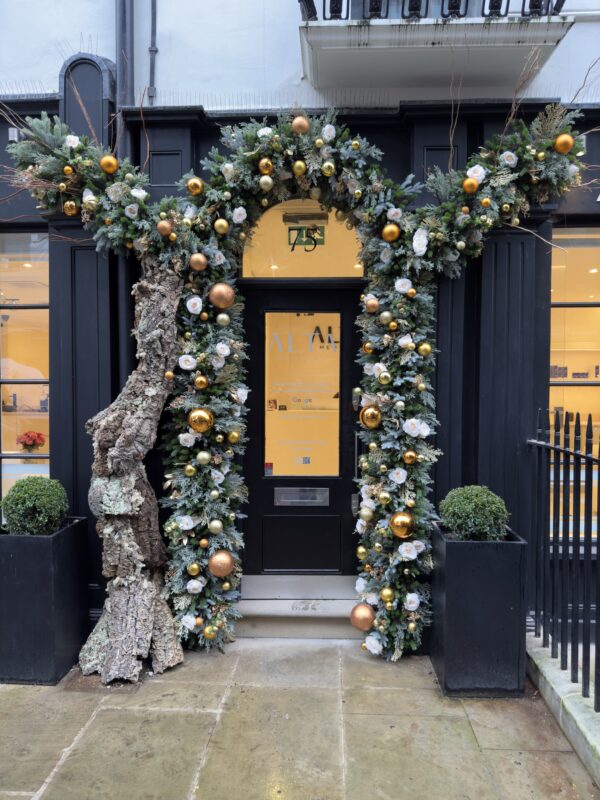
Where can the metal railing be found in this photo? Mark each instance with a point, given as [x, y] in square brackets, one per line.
[415, 10]
[564, 546]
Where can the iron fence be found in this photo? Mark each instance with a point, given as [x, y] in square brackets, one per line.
[415, 10]
[564, 545]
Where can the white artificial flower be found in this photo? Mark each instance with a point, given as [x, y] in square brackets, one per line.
[190, 212]
[369, 503]
[378, 369]
[217, 476]
[360, 585]
[407, 551]
[369, 369]
[405, 340]
[386, 255]
[572, 170]
[241, 395]
[365, 491]
[398, 476]
[187, 362]
[71, 140]
[189, 621]
[328, 133]
[424, 430]
[239, 215]
[194, 304]
[187, 439]
[412, 427]
[131, 211]
[478, 172]
[218, 362]
[418, 545]
[420, 241]
[196, 585]
[263, 133]
[352, 185]
[218, 258]
[228, 171]
[223, 349]
[394, 214]
[368, 399]
[361, 526]
[116, 192]
[185, 522]
[412, 601]
[139, 193]
[373, 644]
[508, 158]
[372, 598]
[402, 285]
[87, 195]
[369, 296]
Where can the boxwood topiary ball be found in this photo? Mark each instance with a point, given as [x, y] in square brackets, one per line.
[35, 505]
[475, 513]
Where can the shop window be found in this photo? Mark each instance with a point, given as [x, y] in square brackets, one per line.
[24, 357]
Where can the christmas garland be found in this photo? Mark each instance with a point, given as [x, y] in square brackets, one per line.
[202, 234]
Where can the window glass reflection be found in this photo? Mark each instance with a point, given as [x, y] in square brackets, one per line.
[24, 344]
[23, 269]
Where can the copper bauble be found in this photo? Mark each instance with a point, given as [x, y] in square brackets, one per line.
[409, 457]
[300, 125]
[265, 166]
[387, 594]
[299, 168]
[564, 143]
[424, 349]
[193, 569]
[221, 564]
[401, 524]
[200, 381]
[372, 305]
[195, 186]
[391, 232]
[368, 348]
[109, 164]
[221, 226]
[198, 262]
[164, 227]
[362, 617]
[221, 295]
[70, 208]
[370, 417]
[470, 185]
[201, 419]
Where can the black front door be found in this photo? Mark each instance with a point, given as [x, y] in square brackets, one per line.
[301, 460]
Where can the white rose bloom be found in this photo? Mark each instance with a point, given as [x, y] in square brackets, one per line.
[239, 215]
[223, 349]
[139, 193]
[368, 399]
[185, 522]
[187, 362]
[369, 369]
[386, 255]
[217, 476]
[398, 476]
[369, 503]
[374, 646]
[424, 430]
[508, 158]
[241, 395]
[218, 362]
[361, 526]
[420, 241]
[412, 427]
[218, 258]
[369, 296]
[115, 192]
[572, 170]
[189, 621]
[378, 369]
[71, 140]
[402, 285]
[477, 172]
[194, 304]
[405, 340]
[187, 439]
[228, 171]
[365, 491]
[87, 195]
[372, 598]
[196, 585]
[360, 585]
[190, 212]
[328, 133]
[131, 211]
[394, 214]
[407, 551]
[418, 545]
[412, 601]
[263, 133]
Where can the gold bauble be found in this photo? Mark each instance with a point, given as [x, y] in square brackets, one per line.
[265, 166]
[362, 617]
[219, 438]
[198, 262]
[366, 513]
[299, 168]
[424, 349]
[221, 226]
[355, 144]
[67, 170]
[412, 627]
[204, 316]
[193, 569]
[107, 221]
[390, 232]
[200, 381]
[221, 295]
[189, 470]
[368, 568]
[486, 202]
[266, 183]
[186, 222]
[201, 419]
[384, 378]
[203, 543]
[470, 185]
[409, 457]
[129, 245]
[384, 497]
[378, 547]
[564, 143]
[363, 646]
[357, 194]
[372, 305]
[221, 564]
[195, 186]
[169, 375]
[199, 621]
[505, 208]
[163, 215]
[70, 208]
[370, 417]
[393, 326]
[264, 202]
[164, 227]
[385, 317]
[319, 142]
[465, 210]
[233, 437]
[410, 503]
[62, 187]
[387, 594]
[226, 586]
[173, 236]
[421, 386]
[541, 156]
[361, 552]
[328, 168]
[300, 125]
[368, 348]
[389, 606]
[412, 292]
[215, 526]
[401, 524]
[109, 164]
[210, 632]
[223, 320]
[90, 203]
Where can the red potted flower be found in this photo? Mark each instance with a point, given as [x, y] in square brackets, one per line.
[31, 440]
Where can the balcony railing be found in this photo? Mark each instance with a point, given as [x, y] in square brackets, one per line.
[415, 10]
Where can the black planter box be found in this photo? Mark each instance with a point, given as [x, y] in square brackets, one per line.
[43, 604]
[479, 608]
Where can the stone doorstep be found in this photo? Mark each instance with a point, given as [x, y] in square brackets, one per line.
[296, 618]
[575, 714]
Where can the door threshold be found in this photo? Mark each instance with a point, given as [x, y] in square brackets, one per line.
[298, 587]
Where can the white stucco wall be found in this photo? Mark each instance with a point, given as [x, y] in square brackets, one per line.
[241, 54]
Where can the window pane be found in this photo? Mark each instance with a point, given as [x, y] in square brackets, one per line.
[575, 345]
[302, 393]
[13, 469]
[23, 268]
[573, 399]
[24, 344]
[299, 239]
[25, 410]
[576, 266]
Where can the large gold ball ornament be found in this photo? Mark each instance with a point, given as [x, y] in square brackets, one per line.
[109, 164]
[470, 185]
[384, 498]
[299, 168]
[195, 186]
[67, 170]
[70, 208]
[193, 569]
[390, 232]
[201, 382]
[421, 386]
[409, 457]
[266, 183]
[564, 143]
[265, 166]
[301, 125]
[361, 552]
[189, 470]
[223, 320]
[233, 437]
[221, 295]
[385, 317]
[200, 420]
[401, 524]
[370, 417]
[164, 227]
[362, 617]
[328, 168]
[221, 564]
[486, 202]
[198, 262]
[366, 513]
[384, 378]
[387, 594]
[221, 226]
[372, 305]
[368, 348]
[424, 349]
[210, 632]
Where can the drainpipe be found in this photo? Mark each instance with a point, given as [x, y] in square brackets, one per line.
[124, 38]
[153, 50]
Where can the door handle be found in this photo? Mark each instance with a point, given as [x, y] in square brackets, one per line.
[354, 504]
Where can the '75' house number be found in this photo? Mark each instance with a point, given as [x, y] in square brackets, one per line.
[307, 236]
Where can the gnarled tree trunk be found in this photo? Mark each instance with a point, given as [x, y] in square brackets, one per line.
[136, 621]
